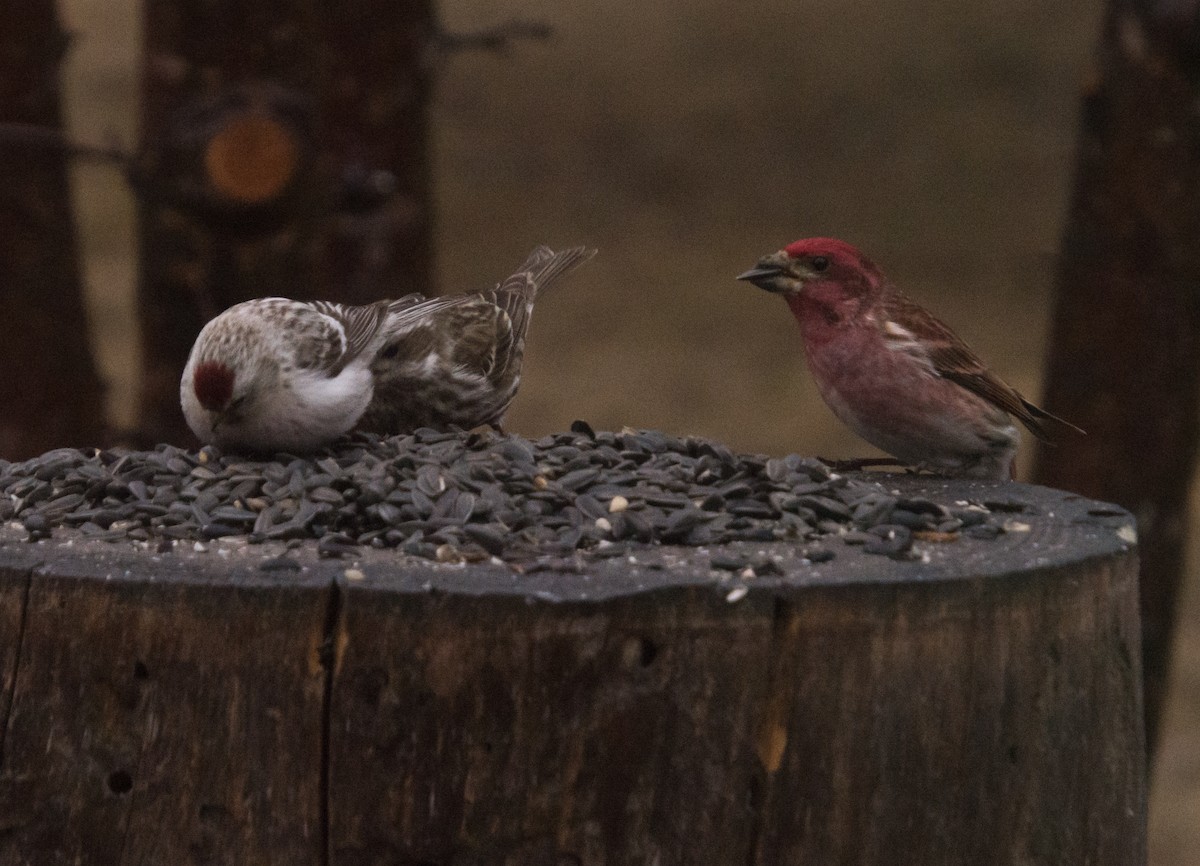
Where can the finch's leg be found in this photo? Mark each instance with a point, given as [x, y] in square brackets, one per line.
[860, 463]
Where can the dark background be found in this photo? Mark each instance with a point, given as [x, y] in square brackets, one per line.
[685, 138]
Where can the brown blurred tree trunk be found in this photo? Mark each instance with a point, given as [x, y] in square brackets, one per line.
[1125, 362]
[49, 391]
[283, 153]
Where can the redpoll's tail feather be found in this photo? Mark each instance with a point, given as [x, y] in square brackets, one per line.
[542, 267]
[1043, 424]
[514, 295]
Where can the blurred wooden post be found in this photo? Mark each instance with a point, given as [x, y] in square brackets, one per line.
[50, 391]
[283, 153]
[1125, 358]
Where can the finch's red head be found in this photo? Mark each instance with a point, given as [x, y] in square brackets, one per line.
[213, 383]
[839, 254]
[810, 261]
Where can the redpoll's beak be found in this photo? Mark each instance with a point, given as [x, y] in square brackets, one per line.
[218, 419]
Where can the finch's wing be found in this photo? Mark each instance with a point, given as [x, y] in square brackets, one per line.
[912, 329]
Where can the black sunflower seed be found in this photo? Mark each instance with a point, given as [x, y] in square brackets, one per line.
[564, 499]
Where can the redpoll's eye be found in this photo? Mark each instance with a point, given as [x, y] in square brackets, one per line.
[820, 263]
[390, 351]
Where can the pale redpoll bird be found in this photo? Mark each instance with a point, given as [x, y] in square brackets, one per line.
[279, 375]
[893, 373]
[456, 361]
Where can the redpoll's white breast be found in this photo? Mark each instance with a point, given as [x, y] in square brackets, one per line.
[274, 374]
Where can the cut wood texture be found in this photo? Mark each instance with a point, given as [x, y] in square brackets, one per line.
[283, 153]
[978, 703]
[50, 391]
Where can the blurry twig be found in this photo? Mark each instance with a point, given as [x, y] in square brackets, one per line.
[50, 138]
[496, 38]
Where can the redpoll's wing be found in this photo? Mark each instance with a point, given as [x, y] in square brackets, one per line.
[464, 330]
[913, 329]
[405, 302]
[359, 327]
[483, 331]
[513, 300]
[460, 329]
[404, 316]
[484, 335]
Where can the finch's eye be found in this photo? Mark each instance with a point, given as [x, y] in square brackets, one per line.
[820, 263]
[390, 352]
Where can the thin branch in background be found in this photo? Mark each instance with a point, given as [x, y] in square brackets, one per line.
[496, 38]
[49, 138]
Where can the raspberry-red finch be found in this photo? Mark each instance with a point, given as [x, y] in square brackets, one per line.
[893, 373]
[456, 361]
[279, 375]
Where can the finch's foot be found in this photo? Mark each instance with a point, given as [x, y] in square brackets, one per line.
[859, 463]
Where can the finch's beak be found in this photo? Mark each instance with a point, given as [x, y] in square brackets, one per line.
[766, 273]
[763, 277]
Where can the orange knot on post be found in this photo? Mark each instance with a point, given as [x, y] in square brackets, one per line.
[252, 158]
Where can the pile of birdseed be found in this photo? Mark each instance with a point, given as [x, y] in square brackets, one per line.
[453, 496]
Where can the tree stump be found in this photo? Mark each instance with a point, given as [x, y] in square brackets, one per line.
[973, 702]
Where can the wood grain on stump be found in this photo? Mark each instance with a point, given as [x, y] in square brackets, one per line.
[976, 703]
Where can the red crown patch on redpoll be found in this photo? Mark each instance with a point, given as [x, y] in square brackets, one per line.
[213, 383]
[891, 371]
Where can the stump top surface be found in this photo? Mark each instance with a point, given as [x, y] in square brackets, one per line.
[1043, 528]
